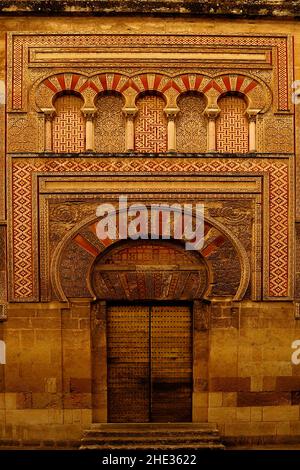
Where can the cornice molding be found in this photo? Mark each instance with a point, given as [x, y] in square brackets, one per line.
[191, 8]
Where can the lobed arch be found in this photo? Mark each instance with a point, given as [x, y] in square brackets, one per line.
[53, 86]
[256, 94]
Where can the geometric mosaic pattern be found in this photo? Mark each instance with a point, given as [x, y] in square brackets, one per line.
[23, 254]
[232, 126]
[68, 125]
[151, 125]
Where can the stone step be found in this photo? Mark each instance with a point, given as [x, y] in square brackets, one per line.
[161, 437]
[151, 436]
[158, 446]
[172, 432]
[161, 428]
[109, 437]
[156, 426]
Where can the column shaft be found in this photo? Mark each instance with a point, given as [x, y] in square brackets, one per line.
[89, 145]
[252, 135]
[48, 133]
[212, 144]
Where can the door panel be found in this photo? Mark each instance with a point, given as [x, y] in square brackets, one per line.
[128, 364]
[149, 363]
[171, 363]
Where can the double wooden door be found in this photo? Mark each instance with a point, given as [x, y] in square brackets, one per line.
[149, 354]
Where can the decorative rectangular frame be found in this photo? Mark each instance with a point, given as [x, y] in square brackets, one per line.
[279, 47]
[44, 197]
[24, 212]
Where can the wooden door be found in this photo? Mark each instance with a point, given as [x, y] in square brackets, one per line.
[171, 363]
[128, 368]
[149, 363]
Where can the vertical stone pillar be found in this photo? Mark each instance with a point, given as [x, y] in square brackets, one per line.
[77, 359]
[201, 320]
[252, 133]
[48, 131]
[99, 361]
[89, 131]
[212, 138]
[130, 114]
[171, 115]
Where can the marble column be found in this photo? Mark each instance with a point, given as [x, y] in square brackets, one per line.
[252, 134]
[212, 138]
[89, 132]
[48, 131]
[129, 133]
[171, 115]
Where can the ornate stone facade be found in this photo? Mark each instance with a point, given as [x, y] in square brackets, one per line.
[153, 118]
[163, 115]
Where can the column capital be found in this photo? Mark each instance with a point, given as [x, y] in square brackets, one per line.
[212, 113]
[130, 113]
[251, 116]
[171, 113]
[89, 114]
[49, 114]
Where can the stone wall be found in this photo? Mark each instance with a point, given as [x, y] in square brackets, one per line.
[252, 392]
[253, 386]
[46, 389]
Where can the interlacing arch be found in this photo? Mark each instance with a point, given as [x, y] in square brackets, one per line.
[256, 94]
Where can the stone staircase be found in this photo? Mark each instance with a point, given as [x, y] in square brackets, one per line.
[157, 436]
